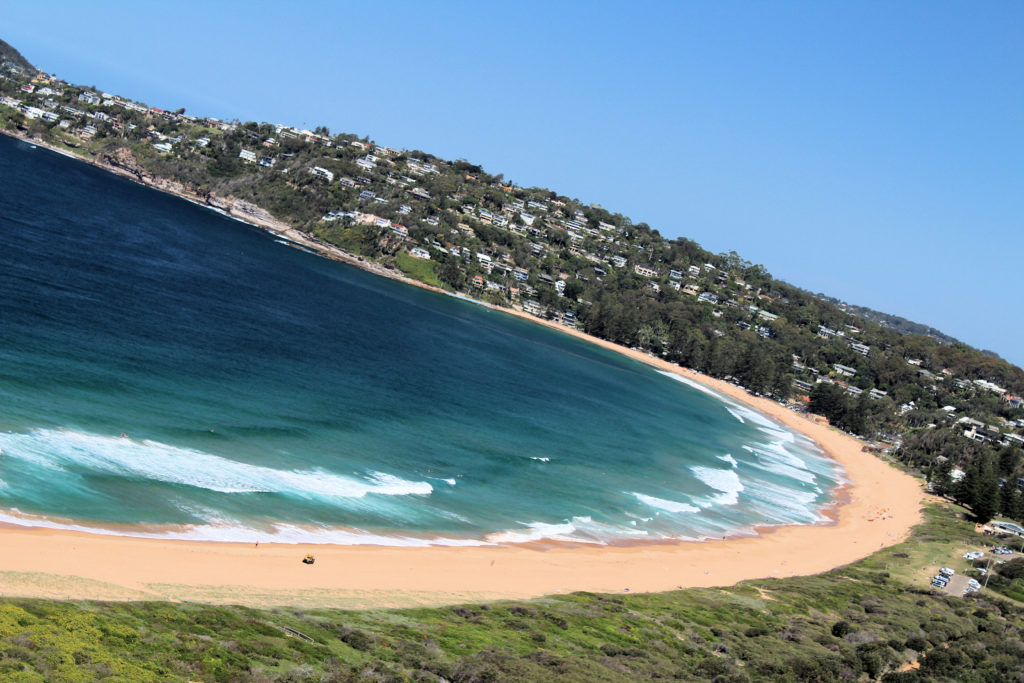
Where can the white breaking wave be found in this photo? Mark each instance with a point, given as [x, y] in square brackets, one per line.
[782, 503]
[234, 532]
[725, 481]
[535, 531]
[666, 505]
[690, 383]
[775, 459]
[152, 460]
[736, 415]
[541, 459]
[729, 459]
[577, 530]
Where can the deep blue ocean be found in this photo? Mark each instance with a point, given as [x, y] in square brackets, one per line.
[270, 394]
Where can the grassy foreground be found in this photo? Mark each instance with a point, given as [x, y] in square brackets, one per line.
[872, 620]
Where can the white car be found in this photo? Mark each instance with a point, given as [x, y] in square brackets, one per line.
[974, 555]
[946, 571]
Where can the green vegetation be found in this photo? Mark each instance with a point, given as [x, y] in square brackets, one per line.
[870, 619]
[418, 269]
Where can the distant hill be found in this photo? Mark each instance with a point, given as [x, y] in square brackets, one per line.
[9, 54]
[892, 322]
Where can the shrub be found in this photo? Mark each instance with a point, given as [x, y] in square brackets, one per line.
[840, 629]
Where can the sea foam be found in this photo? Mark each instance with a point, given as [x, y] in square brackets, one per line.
[725, 481]
[666, 505]
[151, 460]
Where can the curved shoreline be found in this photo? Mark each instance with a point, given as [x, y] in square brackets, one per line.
[69, 564]
[77, 565]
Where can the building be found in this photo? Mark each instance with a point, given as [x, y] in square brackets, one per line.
[533, 307]
[322, 173]
[862, 349]
[248, 156]
[644, 271]
[803, 385]
[844, 370]
[420, 253]
[709, 297]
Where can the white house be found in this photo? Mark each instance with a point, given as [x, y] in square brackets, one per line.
[322, 173]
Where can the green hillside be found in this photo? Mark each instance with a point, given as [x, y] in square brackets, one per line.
[11, 56]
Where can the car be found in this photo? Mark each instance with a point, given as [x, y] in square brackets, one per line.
[946, 571]
[974, 555]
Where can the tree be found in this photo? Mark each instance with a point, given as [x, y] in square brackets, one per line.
[1009, 460]
[940, 477]
[981, 488]
[829, 400]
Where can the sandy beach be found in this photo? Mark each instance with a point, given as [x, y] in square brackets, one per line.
[876, 509]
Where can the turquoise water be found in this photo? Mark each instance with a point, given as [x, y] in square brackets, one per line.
[266, 393]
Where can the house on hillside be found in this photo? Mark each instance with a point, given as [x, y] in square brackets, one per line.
[534, 307]
[322, 173]
[862, 349]
[709, 297]
[645, 271]
[844, 370]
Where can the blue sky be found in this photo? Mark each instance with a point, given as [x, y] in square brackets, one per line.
[872, 151]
